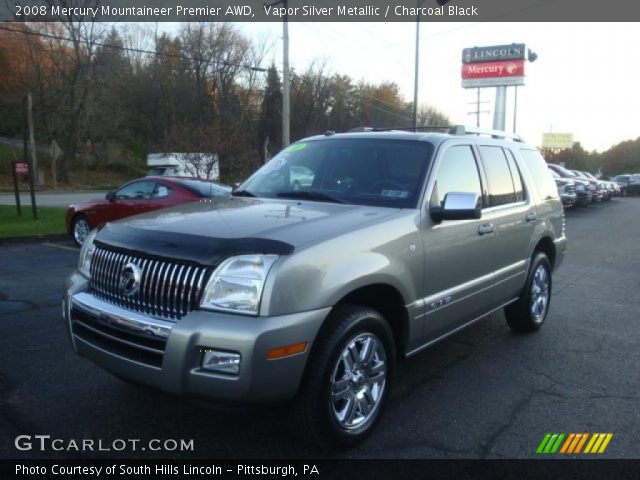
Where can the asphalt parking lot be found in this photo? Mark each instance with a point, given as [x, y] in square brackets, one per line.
[484, 393]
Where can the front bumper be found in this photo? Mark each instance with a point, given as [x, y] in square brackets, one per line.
[168, 355]
[568, 199]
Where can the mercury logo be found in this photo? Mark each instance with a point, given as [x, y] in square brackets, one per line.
[130, 279]
[512, 67]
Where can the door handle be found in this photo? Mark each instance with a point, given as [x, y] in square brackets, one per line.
[531, 216]
[485, 228]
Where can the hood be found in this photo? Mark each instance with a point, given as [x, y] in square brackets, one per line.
[88, 204]
[205, 232]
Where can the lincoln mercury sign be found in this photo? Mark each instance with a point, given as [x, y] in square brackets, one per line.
[499, 65]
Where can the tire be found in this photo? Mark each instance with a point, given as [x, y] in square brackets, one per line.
[530, 311]
[80, 228]
[329, 390]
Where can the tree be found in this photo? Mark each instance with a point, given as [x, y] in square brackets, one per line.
[270, 127]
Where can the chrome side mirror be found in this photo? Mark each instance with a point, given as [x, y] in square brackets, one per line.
[458, 206]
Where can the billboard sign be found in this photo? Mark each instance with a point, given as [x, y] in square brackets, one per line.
[513, 68]
[557, 140]
[515, 51]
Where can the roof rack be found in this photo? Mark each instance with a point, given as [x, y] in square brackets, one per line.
[465, 130]
[389, 129]
[451, 129]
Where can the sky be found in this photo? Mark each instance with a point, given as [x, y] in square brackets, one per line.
[584, 80]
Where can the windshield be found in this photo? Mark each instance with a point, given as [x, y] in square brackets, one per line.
[375, 172]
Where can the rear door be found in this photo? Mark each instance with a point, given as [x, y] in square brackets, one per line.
[510, 210]
[459, 254]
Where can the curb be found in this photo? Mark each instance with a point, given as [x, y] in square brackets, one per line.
[50, 237]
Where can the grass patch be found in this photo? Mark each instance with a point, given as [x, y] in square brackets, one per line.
[50, 220]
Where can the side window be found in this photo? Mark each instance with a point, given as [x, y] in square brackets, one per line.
[499, 181]
[458, 172]
[515, 176]
[161, 191]
[136, 191]
[545, 184]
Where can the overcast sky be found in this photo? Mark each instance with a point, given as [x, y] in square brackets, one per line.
[585, 80]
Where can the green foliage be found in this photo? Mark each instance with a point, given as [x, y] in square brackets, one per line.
[622, 158]
[50, 220]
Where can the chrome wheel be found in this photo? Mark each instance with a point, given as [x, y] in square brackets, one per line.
[539, 294]
[81, 229]
[358, 381]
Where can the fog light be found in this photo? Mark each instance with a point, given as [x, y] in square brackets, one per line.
[221, 362]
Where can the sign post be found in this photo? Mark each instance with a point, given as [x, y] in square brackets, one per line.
[18, 168]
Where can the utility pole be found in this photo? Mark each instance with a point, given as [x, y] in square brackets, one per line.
[477, 111]
[33, 164]
[286, 82]
[416, 68]
[286, 139]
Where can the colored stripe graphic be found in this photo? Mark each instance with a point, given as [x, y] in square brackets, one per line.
[574, 443]
[598, 442]
[550, 443]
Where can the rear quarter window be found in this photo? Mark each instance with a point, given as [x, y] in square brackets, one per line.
[535, 163]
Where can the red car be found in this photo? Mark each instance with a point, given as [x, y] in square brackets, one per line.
[138, 196]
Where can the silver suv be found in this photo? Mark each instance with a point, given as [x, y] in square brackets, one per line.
[310, 292]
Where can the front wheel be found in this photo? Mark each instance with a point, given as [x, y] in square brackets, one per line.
[529, 312]
[80, 229]
[348, 378]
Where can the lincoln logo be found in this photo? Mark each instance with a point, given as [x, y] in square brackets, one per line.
[130, 279]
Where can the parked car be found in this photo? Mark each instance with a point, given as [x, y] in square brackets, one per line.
[598, 191]
[311, 296]
[584, 189]
[601, 185]
[138, 196]
[623, 183]
[566, 190]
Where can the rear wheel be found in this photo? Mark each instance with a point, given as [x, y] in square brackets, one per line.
[530, 311]
[348, 378]
[80, 228]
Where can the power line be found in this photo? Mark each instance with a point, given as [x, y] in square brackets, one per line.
[130, 49]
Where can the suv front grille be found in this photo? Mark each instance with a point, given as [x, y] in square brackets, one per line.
[167, 289]
[570, 189]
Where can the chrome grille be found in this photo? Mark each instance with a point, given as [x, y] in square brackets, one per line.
[167, 289]
[570, 189]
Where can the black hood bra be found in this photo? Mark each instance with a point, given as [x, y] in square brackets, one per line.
[190, 248]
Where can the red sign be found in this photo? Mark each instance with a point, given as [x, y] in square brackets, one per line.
[507, 68]
[21, 168]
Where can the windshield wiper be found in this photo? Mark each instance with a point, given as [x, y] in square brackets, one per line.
[306, 195]
[242, 193]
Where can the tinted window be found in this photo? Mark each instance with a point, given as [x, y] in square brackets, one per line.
[545, 184]
[499, 181]
[515, 176]
[364, 171]
[457, 172]
[136, 191]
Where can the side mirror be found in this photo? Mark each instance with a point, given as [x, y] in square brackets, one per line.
[458, 206]
[111, 196]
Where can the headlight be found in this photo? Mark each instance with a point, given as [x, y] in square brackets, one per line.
[236, 285]
[86, 253]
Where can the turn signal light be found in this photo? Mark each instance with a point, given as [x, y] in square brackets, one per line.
[286, 351]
